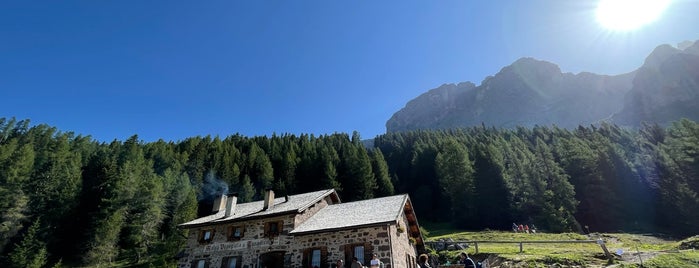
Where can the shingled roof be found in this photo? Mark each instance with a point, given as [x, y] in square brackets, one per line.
[282, 205]
[354, 214]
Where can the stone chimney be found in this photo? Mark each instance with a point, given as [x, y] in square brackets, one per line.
[219, 204]
[231, 202]
[269, 199]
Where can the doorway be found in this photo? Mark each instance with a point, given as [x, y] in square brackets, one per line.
[274, 259]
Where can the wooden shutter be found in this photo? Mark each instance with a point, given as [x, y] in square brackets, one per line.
[324, 257]
[348, 254]
[306, 257]
[368, 253]
[280, 225]
[266, 234]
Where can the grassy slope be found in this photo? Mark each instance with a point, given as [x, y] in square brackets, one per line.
[655, 251]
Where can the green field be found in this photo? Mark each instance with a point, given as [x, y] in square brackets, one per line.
[652, 251]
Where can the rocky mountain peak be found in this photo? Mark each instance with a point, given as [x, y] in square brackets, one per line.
[532, 92]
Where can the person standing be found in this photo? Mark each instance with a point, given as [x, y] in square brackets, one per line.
[375, 262]
[468, 262]
[356, 263]
[340, 264]
[424, 261]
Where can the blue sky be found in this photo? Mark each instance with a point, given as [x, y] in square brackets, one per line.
[178, 69]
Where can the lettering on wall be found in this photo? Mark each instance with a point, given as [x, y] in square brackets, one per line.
[238, 245]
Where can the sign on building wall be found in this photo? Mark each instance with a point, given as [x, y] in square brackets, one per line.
[238, 245]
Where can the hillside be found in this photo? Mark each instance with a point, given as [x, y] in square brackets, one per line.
[532, 92]
[77, 202]
[627, 250]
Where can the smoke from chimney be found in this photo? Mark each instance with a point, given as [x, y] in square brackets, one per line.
[212, 187]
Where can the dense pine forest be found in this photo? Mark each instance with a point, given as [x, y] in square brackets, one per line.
[67, 200]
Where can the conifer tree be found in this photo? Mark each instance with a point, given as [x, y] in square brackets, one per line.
[31, 251]
[383, 180]
[455, 175]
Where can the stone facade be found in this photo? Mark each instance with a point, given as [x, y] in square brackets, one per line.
[213, 245]
[403, 250]
[248, 248]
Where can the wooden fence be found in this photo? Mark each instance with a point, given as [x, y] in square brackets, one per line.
[600, 242]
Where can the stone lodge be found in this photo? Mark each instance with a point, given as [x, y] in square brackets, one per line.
[305, 230]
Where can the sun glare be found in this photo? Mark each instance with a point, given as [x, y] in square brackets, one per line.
[629, 15]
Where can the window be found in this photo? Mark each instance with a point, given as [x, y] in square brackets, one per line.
[231, 262]
[206, 236]
[359, 253]
[273, 228]
[411, 261]
[235, 233]
[315, 257]
[200, 264]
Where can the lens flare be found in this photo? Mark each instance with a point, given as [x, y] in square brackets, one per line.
[629, 15]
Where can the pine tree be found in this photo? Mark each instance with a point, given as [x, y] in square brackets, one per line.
[557, 200]
[455, 175]
[383, 180]
[31, 251]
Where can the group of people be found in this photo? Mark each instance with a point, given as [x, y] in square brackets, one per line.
[373, 263]
[423, 261]
[523, 228]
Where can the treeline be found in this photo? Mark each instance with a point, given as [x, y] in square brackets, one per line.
[70, 200]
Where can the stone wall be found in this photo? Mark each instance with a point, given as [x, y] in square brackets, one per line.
[376, 238]
[403, 250]
[309, 212]
[249, 247]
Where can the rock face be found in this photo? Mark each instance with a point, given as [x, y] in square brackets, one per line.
[532, 92]
[665, 89]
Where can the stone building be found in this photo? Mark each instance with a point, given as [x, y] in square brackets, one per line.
[305, 230]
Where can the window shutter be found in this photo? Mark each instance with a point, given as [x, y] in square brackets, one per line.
[267, 229]
[348, 254]
[242, 231]
[324, 257]
[280, 224]
[368, 251]
[306, 257]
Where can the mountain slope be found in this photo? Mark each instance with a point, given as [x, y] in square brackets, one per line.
[665, 89]
[532, 92]
[528, 92]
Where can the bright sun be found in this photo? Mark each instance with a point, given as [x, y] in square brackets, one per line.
[628, 15]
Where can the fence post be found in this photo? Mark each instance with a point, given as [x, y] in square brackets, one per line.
[520, 247]
[600, 242]
[476, 244]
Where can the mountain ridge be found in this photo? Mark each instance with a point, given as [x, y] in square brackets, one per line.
[532, 92]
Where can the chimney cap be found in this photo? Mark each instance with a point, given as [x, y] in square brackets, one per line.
[233, 194]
